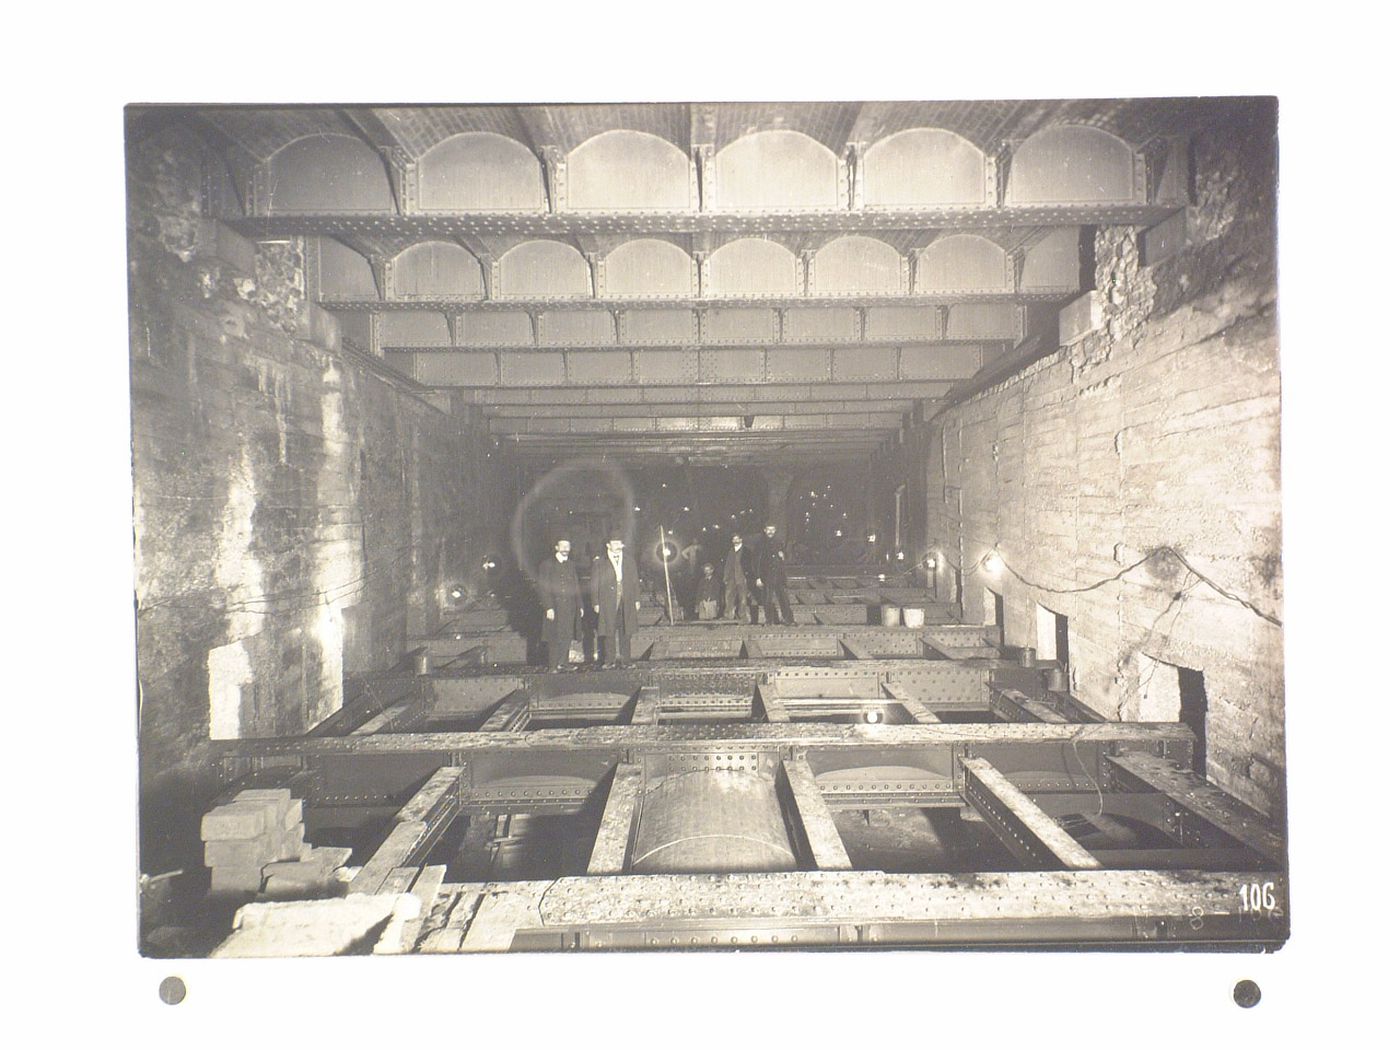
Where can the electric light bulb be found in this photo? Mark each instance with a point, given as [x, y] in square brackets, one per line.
[993, 563]
[872, 717]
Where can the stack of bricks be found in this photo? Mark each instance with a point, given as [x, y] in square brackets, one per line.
[257, 843]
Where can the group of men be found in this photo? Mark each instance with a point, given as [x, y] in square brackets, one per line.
[751, 577]
[616, 593]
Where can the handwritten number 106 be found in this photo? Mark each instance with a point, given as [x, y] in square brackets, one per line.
[1256, 897]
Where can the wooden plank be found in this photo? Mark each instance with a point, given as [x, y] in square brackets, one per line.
[770, 706]
[449, 937]
[504, 911]
[1205, 801]
[918, 710]
[609, 855]
[1022, 826]
[391, 854]
[425, 888]
[818, 827]
[399, 880]
[660, 650]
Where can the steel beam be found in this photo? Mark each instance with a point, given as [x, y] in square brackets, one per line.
[661, 410]
[1201, 799]
[862, 908]
[856, 650]
[610, 848]
[513, 713]
[391, 718]
[647, 710]
[709, 423]
[1012, 705]
[530, 224]
[814, 824]
[1217, 859]
[918, 710]
[1022, 826]
[748, 367]
[680, 739]
[770, 705]
[730, 395]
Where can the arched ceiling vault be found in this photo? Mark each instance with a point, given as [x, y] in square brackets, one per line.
[846, 342]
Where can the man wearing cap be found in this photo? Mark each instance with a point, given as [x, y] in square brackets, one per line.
[616, 599]
[709, 594]
[770, 577]
[559, 594]
[738, 567]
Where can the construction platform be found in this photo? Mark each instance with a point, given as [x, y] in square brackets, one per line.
[763, 786]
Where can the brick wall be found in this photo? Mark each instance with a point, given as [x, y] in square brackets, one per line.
[296, 512]
[1158, 428]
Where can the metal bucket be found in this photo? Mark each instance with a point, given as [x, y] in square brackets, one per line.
[422, 661]
[914, 616]
[1027, 657]
[889, 615]
[1056, 681]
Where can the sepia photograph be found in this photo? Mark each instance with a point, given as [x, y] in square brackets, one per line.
[678, 527]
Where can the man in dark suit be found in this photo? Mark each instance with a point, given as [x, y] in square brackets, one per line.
[559, 594]
[770, 572]
[738, 569]
[617, 597]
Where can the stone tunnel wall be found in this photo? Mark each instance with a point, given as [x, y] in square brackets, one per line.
[296, 512]
[1158, 427]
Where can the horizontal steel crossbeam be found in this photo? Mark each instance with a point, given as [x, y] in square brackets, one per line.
[1022, 826]
[783, 909]
[724, 394]
[751, 367]
[456, 224]
[674, 739]
[711, 423]
[1201, 799]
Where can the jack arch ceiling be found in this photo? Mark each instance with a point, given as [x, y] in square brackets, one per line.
[731, 282]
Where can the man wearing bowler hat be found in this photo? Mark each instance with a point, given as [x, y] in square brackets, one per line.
[617, 598]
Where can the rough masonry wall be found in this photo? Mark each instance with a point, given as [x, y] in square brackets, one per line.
[295, 513]
[1159, 429]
